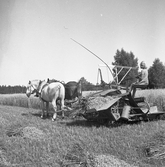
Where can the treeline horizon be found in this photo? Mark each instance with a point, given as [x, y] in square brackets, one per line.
[12, 89]
[22, 89]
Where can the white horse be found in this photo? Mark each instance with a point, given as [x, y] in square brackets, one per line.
[47, 93]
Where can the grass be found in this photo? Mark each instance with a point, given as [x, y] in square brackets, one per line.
[72, 140]
[126, 142]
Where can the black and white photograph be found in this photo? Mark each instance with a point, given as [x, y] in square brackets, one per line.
[82, 83]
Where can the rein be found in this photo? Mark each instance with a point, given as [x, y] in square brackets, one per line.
[39, 93]
[35, 90]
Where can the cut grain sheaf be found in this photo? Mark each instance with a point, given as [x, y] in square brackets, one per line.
[79, 157]
[97, 102]
[25, 132]
[110, 161]
[33, 133]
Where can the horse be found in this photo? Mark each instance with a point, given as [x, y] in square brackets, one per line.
[73, 89]
[48, 93]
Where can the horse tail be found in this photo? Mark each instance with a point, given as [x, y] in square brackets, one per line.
[62, 94]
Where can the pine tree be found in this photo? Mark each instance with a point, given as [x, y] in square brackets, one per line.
[122, 58]
[157, 74]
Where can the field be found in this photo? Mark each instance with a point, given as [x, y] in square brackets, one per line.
[26, 140]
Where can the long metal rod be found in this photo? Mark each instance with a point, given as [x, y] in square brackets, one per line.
[95, 56]
[121, 68]
[125, 67]
[125, 75]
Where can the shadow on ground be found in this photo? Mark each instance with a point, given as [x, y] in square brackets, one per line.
[85, 123]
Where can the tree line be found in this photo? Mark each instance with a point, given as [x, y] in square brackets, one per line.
[12, 89]
[156, 74]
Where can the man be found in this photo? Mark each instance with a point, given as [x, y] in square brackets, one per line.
[142, 79]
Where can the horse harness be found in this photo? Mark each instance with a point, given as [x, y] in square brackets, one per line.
[38, 94]
[65, 85]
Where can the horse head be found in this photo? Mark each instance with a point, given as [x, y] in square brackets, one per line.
[32, 87]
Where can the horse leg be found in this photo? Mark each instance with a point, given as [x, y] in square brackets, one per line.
[47, 108]
[55, 110]
[42, 106]
[62, 107]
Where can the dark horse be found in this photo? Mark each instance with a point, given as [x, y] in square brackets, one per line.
[73, 89]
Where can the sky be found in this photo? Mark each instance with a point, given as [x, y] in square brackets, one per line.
[35, 37]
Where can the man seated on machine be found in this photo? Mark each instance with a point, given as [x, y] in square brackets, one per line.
[142, 79]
